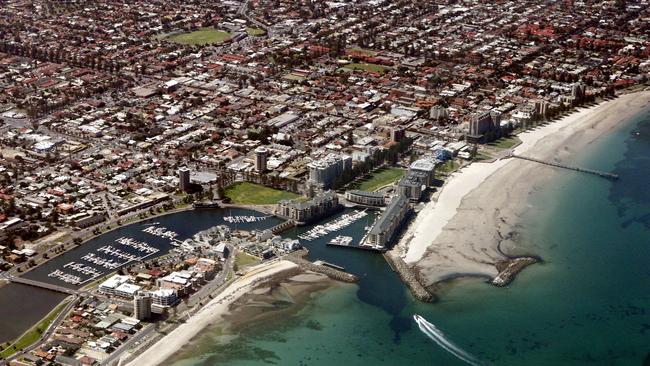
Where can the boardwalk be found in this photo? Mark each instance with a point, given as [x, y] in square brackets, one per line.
[569, 167]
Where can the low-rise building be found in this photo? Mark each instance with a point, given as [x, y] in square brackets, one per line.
[365, 198]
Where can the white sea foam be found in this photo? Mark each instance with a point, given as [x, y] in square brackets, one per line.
[438, 336]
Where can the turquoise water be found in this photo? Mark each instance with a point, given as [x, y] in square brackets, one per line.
[587, 304]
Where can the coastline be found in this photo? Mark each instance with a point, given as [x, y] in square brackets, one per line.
[471, 230]
[216, 309]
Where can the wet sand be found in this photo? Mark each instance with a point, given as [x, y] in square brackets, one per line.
[473, 224]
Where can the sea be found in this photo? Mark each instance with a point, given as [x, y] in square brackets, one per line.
[587, 303]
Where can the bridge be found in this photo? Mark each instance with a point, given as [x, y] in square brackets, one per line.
[283, 226]
[607, 175]
[40, 284]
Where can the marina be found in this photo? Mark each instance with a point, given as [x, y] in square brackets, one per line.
[242, 219]
[84, 269]
[65, 277]
[333, 226]
[162, 232]
[138, 245]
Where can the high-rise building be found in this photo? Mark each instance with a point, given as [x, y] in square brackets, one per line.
[184, 177]
[142, 305]
[323, 172]
[484, 123]
[261, 155]
[397, 134]
[578, 91]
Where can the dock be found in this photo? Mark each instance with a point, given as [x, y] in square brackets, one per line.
[606, 175]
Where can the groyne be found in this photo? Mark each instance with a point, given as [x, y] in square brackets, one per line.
[406, 274]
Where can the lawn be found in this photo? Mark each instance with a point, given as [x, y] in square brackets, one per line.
[380, 178]
[34, 333]
[254, 194]
[255, 32]
[244, 259]
[505, 142]
[367, 67]
[447, 167]
[200, 37]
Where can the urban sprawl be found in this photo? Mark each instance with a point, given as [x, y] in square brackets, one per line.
[117, 111]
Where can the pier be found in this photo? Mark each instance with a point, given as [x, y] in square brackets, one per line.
[607, 175]
[44, 285]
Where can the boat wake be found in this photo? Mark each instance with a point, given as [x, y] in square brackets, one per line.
[438, 336]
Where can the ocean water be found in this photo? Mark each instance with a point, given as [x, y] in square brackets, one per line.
[588, 303]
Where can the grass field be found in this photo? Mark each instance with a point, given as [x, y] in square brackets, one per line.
[244, 259]
[255, 32]
[379, 178]
[254, 194]
[367, 67]
[200, 37]
[32, 335]
[505, 142]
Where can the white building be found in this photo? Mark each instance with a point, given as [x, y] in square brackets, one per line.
[109, 286]
[323, 172]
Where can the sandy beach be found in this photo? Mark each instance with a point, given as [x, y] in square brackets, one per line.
[472, 224]
[213, 311]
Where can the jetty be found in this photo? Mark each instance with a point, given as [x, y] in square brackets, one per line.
[602, 174]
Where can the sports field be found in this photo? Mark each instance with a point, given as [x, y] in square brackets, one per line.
[201, 37]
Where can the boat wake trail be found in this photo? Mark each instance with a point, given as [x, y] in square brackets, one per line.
[438, 336]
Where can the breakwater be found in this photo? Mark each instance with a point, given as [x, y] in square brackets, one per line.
[299, 258]
[508, 269]
[406, 274]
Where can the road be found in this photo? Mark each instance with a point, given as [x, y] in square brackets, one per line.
[144, 332]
